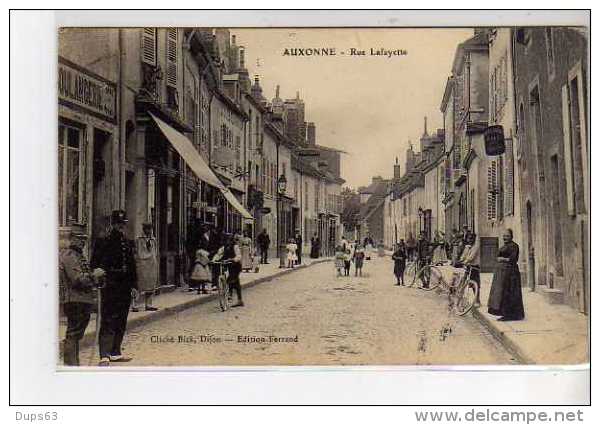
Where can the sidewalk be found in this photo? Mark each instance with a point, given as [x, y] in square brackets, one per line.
[549, 334]
[181, 299]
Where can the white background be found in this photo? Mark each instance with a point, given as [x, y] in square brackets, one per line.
[33, 263]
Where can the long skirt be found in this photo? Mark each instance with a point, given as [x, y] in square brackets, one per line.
[399, 266]
[506, 298]
[246, 257]
[314, 252]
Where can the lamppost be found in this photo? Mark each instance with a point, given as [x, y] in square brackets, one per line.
[420, 220]
[281, 187]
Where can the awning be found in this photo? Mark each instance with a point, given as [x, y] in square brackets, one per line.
[192, 158]
[236, 204]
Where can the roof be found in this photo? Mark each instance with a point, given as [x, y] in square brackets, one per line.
[327, 148]
[380, 191]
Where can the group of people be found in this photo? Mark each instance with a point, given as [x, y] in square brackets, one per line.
[355, 252]
[463, 251]
[117, 273]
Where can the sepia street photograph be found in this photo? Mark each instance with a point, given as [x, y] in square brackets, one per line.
[322, 196]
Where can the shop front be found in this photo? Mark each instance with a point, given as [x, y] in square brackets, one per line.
[88, 141]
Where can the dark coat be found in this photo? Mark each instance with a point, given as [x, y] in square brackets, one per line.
[399, 257]
[115, 254]
[506, 298]
[263, 240]
[75, 279]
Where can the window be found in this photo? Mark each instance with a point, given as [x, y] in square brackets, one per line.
[492, 195]
[550, 51]
[172, 57]
[306, 198]
[70, 166]
[509, 181]
[574, 145]
[148, 48]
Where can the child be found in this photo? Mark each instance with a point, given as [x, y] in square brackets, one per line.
[347, 258]
[358, 257]
[200, 274]
[291, 256]
[339, 259]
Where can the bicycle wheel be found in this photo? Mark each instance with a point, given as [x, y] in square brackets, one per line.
[429, 278]
[223, 295]
[410, 273]
[466, 298]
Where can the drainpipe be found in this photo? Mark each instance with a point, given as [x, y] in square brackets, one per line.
[120, 179]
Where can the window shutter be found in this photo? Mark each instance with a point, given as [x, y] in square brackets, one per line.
[566, 122]
[172, 57]
[149, 46]
[509, 181]
[492, 188]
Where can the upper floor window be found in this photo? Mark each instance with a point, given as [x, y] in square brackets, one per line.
[550, 51]
[148, 48]
[172, 55]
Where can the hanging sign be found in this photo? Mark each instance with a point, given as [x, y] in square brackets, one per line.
[494, 140]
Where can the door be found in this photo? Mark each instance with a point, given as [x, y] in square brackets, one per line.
[530, 248]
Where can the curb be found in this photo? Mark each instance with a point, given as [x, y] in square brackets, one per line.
[89, 338]
[508, 343]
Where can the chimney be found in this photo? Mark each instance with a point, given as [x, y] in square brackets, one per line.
[297, 95]
[277, 92]
[242, 57]
[396, 170]
[425, 126]
[311, 134]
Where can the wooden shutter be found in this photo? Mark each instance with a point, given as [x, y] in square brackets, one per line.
[568, 149]
[509, 181]
[149, 46]
[492, 188]
[172, 57]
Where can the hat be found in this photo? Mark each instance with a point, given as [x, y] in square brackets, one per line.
[78, 231]
[118, 217]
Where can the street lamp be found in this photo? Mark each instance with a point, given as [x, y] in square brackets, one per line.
[420, 220]
[281, 187]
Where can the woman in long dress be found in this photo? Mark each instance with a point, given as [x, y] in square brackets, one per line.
[315, 246]
[505, 298]
[246, 249]
[399, 257]
[147, 268]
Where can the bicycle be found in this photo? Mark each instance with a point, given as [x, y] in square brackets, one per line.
[222, 285]
[410, 273]
[462, 292]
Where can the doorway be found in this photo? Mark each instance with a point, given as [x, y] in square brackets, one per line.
[530, 248]
[101, 194]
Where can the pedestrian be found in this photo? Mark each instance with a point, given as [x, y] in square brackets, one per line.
[315, 246]
[423, 254]
[411, 245]
[77, 282]
[231, 253]
[457, 246]
[340, 256]
[399, 257]
[470, 259]
[506, 299]
[263, 241]
[116, 256]
[368, 243]
[291, 253]
[146, 267]
[200, 274]
[358, 258]
[246, 250]
[439, 249]
[381, 248]
[347, 261]
[299, 244]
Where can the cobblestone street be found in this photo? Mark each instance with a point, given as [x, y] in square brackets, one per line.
[338, 321]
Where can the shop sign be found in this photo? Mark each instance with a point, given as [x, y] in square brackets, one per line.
[494, 140]
[81, 89]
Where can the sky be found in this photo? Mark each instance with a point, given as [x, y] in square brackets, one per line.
[369, 106]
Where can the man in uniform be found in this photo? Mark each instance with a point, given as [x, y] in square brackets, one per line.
[78, 283]
[115, 254]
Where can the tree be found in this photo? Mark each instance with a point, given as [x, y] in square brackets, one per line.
[351, 209]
